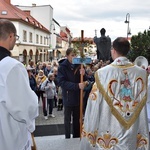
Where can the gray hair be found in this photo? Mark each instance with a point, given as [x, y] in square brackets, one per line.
[50, 75]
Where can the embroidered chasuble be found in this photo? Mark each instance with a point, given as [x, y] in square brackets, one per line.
[116, 116]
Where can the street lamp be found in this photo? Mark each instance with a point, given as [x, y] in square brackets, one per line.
[53, 27]
[52, 41]
[128, 21]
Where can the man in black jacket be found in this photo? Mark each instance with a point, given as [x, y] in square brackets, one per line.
[69, 80]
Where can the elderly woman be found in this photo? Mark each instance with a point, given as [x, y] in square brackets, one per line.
[40, 78]
[50, 89]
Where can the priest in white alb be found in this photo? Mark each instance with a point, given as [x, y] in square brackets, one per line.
[116, 115]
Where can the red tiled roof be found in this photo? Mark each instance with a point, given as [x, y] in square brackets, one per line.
[63, 36]
[14, 13]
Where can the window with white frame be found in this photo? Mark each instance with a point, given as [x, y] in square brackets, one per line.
[30, 37]
[41, 39]
[37, 38]
[24, 36]
[44, 40]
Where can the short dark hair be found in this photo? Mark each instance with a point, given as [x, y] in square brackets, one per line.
[69, 50]
[121, 45]
[6, 27]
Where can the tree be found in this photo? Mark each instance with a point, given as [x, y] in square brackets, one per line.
[140, 46]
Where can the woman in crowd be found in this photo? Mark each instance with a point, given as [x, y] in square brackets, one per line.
[32, 80]
[50, 89]
[40, 78]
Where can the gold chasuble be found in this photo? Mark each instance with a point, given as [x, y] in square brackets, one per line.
[116, 117]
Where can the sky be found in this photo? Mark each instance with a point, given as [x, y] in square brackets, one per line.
[91, 15]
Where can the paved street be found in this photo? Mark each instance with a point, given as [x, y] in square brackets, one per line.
[49, 134]
[56, 143]
[59, 118]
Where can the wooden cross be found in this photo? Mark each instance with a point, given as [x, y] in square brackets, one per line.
[82, 60]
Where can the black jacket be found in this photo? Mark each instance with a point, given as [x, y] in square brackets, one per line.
[68, 78]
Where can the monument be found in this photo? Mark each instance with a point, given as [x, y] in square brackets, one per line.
[103, 44]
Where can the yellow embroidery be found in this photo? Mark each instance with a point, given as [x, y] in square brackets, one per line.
[125, 123]
[91, 136]
[93, 95]
[107, 141]
[122, 66]
[127, 103]
[141, 141]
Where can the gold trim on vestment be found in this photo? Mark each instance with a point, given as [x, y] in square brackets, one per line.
[125, 123]
[122, 66]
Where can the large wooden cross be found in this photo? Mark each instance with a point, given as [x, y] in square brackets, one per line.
[82, 60]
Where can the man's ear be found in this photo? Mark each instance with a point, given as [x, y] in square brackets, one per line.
[114, 51]
[11, 35]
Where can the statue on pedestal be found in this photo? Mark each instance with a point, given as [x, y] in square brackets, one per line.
[103, 46]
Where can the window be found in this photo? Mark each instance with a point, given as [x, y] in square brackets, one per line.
[41, 39]
[30, 37]
[44, 40]
[24, 36]
[4, 12]
[37, 38]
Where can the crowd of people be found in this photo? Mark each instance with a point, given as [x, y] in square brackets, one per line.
[43, 81]
[68, 78]
[47, 80]
[115, 97]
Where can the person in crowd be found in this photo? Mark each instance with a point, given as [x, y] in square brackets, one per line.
[116, 110]
[69, 79]
[44, 67]
[60, 100]
[32, 80]
[50, 89]
[48, 69]
[38, 67]
[32, 65]
[40, 78]
[54, 64]
[55, 72]
[18, 102]
[87, 89]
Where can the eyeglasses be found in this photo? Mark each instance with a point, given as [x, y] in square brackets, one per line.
[17, 37]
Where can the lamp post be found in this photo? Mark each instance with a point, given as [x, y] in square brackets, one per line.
[52, 30]
[52, 40]
[128, 21]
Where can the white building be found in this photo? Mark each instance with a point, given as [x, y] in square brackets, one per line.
[33, 42]
[44, 13]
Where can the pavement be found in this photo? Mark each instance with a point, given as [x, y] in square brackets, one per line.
[59, 117]
[49, 134]
[56, 143]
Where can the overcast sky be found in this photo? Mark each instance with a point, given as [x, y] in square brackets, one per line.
[89, 15]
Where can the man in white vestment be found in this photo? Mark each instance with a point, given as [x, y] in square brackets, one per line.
[116, 116]
[18, 103]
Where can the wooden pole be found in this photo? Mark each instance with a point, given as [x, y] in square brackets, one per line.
[81, 81]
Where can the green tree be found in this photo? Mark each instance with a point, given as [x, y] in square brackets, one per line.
[140, 46]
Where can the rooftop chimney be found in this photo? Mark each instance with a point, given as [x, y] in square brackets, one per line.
[34, 5]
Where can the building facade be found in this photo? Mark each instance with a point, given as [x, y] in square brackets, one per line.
[33, 40]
